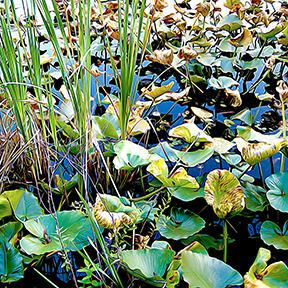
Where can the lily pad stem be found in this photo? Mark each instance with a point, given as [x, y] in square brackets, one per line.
[284, 135]
[148, 195]
[244, 172]
[261, 174]
[259, 106]
[225, 240]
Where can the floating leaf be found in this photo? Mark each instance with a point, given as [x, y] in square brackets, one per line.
[202, 114]
[181, 185]
[243, 40]
[190, 159]
[224, 193]
[255, 63]
[109, 219]
[102, 128]
[267, 51]
[257, 152]
[278, 193]
[24, 204]
[161, 56]
[131, 155]
[158, 91]
[245, 116]
[271, 234]
[74, 227]
[249, 134]
[148, 264]
[190, 132]
[181, 224]
[222, 82]
[260, 275]
[11, 266]
[275, 30]
[204, 271]
[206, 240]
[229, 23]
[255, 196]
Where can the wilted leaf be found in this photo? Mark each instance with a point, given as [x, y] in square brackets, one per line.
[235, 95]
[243, 40]
[158, 91]
[224, 193]
[202, 114]
[261, 276]
[164, 57]
[222, 82]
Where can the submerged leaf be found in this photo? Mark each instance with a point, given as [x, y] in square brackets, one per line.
[224, 193]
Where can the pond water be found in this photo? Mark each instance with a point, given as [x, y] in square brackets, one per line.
[246, 228]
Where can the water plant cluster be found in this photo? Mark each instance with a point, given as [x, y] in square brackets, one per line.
[96, 163]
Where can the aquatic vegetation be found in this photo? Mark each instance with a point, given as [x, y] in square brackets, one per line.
[131, 134]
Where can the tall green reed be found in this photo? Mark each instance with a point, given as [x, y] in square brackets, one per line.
[131, 39]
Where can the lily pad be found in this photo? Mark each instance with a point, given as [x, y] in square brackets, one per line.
[102, 128]
[271, 234]
[148, 264]
[74, 228]
[278, 193]
[245, 116]
[248, 65]
[224, 193]
[222, 82]
[255, 197]
[131, 155]
[11, 266]
[259, 275]
[204, 271]
[181, 224]
[24, 204]
[179, 184]
[229, 23]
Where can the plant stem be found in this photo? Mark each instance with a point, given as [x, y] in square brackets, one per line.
[244, 172]
[284, 135]
[225, 240]
[261, 174]
[148, 195]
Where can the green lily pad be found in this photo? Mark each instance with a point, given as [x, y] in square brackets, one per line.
[278, 193]
[204, 271]
[229, 23]
[222, 82]
[271, 234]
[224, 193]
[275, 30]
[181, 224]
[245, 116]
[148, 264]
[74, 227]
[255, 197]
[249, 134]
[9, 231]
[248, 65]
[179, 184]
[24, 204]
[130, 155]
[189, 159]
[267, 51]
[206, 240]
[225, 46]
[11, 266]
[5, 208]
[225, 64]
[102, 128]
[259, 275]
